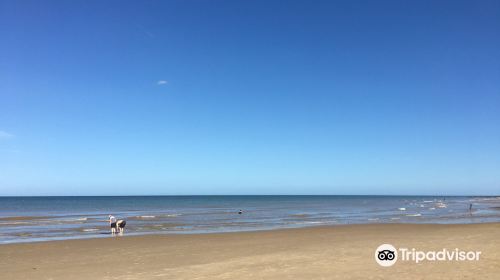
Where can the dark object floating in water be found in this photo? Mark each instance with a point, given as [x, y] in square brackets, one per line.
[240, 212]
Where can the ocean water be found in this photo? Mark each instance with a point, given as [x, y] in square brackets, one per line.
[28, 219]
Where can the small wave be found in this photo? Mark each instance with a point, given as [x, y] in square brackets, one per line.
[23, 218]
[170, 215]
[302, 215]
[57, 220]
[146, 217]
[307, 223]
[15, 223]
[395, 218]
[23, 234]
[413, 215]
[485, 199]
[158, 227]
[90, 229]
[402, 209]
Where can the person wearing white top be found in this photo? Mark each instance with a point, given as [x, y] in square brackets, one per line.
[112, 223]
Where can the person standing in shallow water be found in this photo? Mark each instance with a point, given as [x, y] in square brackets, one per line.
[112, 223]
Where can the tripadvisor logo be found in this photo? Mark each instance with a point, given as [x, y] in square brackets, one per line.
[387, 255]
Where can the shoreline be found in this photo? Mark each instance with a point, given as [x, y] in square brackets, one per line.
[333, 252]
[107, 235]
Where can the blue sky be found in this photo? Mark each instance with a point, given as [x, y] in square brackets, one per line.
[249, 97]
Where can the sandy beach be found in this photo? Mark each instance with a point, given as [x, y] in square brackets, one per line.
[337, 252]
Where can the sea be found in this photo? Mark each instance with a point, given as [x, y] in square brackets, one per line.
[32, 219]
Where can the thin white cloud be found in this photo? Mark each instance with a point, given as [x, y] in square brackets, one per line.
[162, 82]
[5, 135]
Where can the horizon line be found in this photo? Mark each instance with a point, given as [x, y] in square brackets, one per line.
[187, 195]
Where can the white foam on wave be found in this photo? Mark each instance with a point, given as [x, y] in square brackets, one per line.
[172, 215]
[15, 223]
[402, 209]
[413, 215]
[58, 220]
[90, 229]
[311, 222]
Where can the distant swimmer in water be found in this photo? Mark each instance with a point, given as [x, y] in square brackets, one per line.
[470, 207]
[121, 225]
[240, 212]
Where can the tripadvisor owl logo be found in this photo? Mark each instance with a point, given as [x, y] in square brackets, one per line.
[386, 255]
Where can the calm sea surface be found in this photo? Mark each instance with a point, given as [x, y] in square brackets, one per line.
[27, 219]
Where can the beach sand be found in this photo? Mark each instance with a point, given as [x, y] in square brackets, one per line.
[337, 252]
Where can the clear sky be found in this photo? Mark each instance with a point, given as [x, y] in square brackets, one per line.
[249, 97]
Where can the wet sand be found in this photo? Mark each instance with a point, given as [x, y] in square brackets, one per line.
[337, 252]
